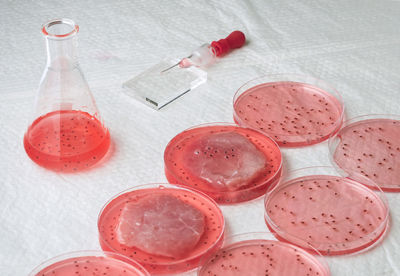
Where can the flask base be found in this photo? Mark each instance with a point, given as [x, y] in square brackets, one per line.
[66, 141]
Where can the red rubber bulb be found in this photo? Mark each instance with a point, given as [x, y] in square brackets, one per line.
[223, 46]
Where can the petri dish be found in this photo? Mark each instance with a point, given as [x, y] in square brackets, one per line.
[293, 110]
[369, 147]
[89, 263]
[334, 214]
[208, 242]
[229, 163]
[261, 254]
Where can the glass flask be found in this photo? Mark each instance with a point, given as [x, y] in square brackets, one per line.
[66, 133]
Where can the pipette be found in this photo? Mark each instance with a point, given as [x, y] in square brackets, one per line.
[206, 54]
[169, 79]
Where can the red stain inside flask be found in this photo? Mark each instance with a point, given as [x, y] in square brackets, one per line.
[66, 141]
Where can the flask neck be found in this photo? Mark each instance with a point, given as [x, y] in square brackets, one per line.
[61, 53]
[61, 42]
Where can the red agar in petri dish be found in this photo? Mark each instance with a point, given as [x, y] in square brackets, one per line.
[90, 263]
[231, 164]
[335, 215]
[293, 110]
[369, 146]
[162, 219]
[66, 141]
[254, 254]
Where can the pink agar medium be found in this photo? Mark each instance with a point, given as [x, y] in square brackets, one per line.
[164, 261]
[229, 163]
[335, 215]
[294, 114]
[370, 147]
[262, 257]
[97, 265]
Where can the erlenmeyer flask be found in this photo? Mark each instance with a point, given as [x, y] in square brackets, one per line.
[66, 133]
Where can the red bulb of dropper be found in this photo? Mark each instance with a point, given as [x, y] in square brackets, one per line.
[223, 46]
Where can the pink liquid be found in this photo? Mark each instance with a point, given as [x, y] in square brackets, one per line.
[176, 172]
[372, 149]
[293, 114]
[334, 215]
[66, 141]
[90, 266]
[262, 257]
[209, 242]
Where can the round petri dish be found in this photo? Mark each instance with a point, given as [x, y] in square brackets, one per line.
[293, 110]
[229, 163]
[151, 238]
[89, 263]
[334, 214]
[261, 254]
[369, 147]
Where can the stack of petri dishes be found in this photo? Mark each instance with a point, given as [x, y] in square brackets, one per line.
[166, 228]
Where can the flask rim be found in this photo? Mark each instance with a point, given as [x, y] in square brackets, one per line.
[72, 28]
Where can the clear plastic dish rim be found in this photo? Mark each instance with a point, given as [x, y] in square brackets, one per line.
[278, 171]
[290, 175]
[272, 78]
[71, 23]
[168, 186]
[249, 236]
[89, 253]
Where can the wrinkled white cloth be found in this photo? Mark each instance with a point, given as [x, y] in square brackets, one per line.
[354, 45]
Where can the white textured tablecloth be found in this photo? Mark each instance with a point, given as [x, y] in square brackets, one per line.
[355, 45]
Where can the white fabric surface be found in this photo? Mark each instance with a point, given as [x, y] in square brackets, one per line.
[352, 44]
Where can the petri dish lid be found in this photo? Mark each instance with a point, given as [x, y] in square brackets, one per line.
[369, 147]
[262, 254]
[334, 214]
[210, 240]
[294, 110]
[248, 161]
[89, 263]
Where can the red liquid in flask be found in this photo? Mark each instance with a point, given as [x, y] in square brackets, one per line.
[66, 141]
